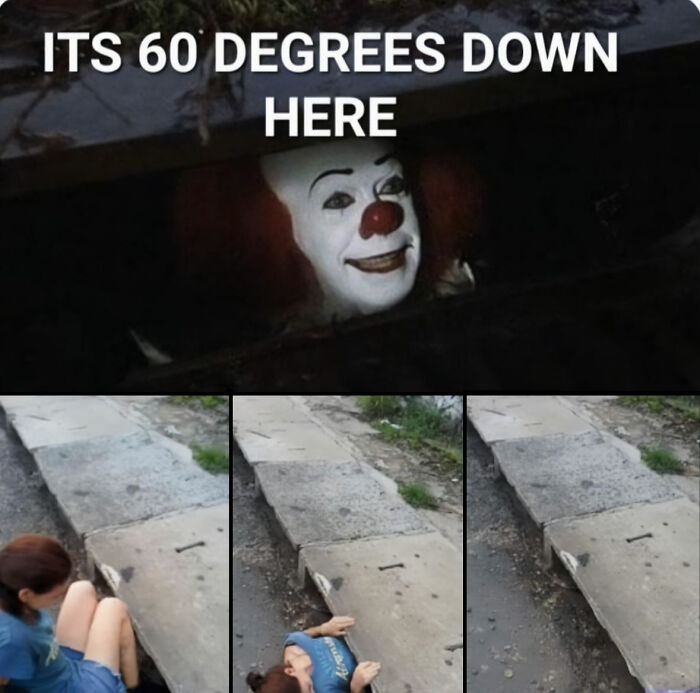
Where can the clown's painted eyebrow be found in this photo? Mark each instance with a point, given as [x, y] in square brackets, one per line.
[342, 171]
[349, 171]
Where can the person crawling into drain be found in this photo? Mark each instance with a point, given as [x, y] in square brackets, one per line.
[93, 644]
[316, 661]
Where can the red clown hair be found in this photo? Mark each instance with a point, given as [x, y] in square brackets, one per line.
[234, 236]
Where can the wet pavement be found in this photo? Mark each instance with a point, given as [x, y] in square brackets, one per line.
[528, 629]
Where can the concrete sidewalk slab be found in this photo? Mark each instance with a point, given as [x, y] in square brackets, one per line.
[561, 476]
[179, 600]
[43, 421]
[407, 616]
[645, 591]
[111, 481]
[320, 501]
[249, 409]
[288, 442]
[12, 402]
[507, 417]
[689, 485]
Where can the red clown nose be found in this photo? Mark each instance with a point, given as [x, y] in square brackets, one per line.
[381, 218]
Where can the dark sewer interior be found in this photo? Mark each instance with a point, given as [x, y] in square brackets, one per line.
[586, 272]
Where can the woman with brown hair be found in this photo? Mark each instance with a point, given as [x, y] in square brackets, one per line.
[315, 661]
[92, 643]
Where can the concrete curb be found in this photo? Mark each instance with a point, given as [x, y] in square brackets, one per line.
[612, 522]
[136, 498]
[367, 551]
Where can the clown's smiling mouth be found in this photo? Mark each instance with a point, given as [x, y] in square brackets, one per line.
[381, 264]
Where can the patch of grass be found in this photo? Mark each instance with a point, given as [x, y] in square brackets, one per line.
[688, 406]
[214, 460]
[418, 496]
[380, 406]
[653, 403]
[206, 401]
[661, 460]
[415, 423]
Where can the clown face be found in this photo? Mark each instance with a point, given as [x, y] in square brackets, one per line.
[353, 218]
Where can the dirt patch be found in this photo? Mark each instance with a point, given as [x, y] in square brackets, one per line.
[668, 428]
[189, 423]
[398, 461]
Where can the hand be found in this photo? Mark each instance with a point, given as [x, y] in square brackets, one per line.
[364, 674]
[338, 625]
[4, 681]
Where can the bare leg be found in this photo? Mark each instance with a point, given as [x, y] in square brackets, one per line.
[76, 615]
[111, 640]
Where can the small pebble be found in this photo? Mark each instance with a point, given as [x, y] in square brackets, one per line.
[508, 673]
[492, 618]
[475, 672]
[507, 648]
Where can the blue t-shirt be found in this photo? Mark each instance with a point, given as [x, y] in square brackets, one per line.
[333, 664]
[30, 656]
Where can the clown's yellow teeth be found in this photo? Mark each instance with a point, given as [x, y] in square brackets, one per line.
[381, 264]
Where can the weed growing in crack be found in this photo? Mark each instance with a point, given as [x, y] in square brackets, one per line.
[418, 496]
[662, 461]
[214, 460]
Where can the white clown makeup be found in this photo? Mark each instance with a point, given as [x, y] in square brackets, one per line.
[353, 218]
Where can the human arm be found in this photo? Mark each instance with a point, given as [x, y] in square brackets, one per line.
[337, 626]
[364, 674]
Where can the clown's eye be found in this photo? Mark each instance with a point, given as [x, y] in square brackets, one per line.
[394, 186]
[338, 200]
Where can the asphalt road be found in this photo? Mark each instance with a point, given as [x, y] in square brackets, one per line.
[267, 603]
[27, 507]
[528, 629]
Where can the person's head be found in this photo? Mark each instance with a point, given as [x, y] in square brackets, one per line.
[34, 573]
[274, 681]
[292, 676]
[353, 218]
